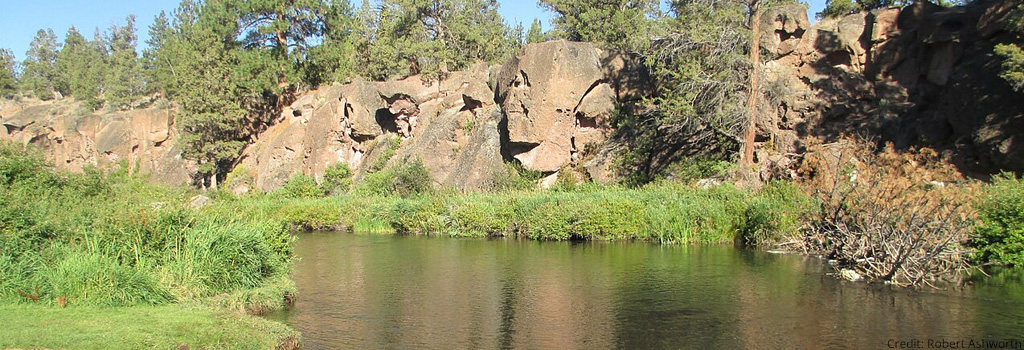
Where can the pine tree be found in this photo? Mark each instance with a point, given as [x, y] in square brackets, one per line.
[157, 68]
[334, 59]
[536, 34]
[432, 37]
[80, 69]
[618, 24]
[124, 81]
[8, 79]
[40, 71]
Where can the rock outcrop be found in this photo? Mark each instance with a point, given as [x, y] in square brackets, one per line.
[919, 76]
[451, 125]
[558, 99]
[541, 108]
[143, 140]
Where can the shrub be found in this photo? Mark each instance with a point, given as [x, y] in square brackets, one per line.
[999, 237]
[337, 179]
[301, 186]
[514, 177]
[775, 214]
[405, 180]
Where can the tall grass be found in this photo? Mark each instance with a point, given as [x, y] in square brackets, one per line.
[666, 213]
[113, 240]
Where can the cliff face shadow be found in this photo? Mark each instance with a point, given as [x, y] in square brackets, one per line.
[933, 82]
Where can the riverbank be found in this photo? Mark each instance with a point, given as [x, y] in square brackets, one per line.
[114, 243]
[140, 327]
[668, 213]
[99, 260]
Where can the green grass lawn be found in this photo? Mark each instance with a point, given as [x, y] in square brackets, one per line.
[139, 327]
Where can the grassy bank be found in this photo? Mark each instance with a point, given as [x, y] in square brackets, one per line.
[80, 249]
[139, 327]
[666, 213]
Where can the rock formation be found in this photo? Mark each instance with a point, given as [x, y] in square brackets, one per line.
[143, 140]
[921, 76]
[546, 105]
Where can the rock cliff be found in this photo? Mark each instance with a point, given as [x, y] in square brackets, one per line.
[919, 76]
[143, 140]
[540, 108]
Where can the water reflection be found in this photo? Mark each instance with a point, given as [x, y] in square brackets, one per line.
[428, 293]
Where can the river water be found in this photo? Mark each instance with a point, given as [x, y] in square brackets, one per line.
[409, 292]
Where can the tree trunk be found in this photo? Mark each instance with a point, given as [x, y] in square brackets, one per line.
[755, 62]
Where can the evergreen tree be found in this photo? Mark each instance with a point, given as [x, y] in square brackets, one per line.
[334, 59]
[536, 34]
[432, 37]
[80, 69]
[39, 69]
[158, 68]
[618, 24]
[124, 80]
[1013, 67]
[8, 78]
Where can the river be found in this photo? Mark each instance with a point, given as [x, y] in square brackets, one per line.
[408, 292]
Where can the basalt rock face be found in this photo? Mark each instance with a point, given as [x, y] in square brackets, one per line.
[542, 108]
[451, 126]
[143, 140]
[558, 99]
[919, 76]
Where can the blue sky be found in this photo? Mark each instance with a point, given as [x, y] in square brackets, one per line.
[19, 20]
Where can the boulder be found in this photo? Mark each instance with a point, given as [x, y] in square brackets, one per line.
[550, 92]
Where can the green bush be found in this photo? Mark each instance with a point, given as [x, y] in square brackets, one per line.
[301, 186]
[116, 240]
[312, 215]
[999, 237]
[337, 179]
[404, 180]
[513, 177]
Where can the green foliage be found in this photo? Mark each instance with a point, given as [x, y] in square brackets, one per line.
[81, 68]
[777, 213]
[514, 177]
[301, 186]
[337, 179]
[113, 240]
[695, 168]
[999, 237]
[1013, 67]
[536, 33]
[8, 80]
[618, 24]
[406, 179]
[124, 78]
[405, 37]
[39, 68]
[89, 278]
[312, 215]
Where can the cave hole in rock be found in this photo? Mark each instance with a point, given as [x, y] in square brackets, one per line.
[386, 120]
[585, 122]
[517, 148]
[296, 113]
[784, 35]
